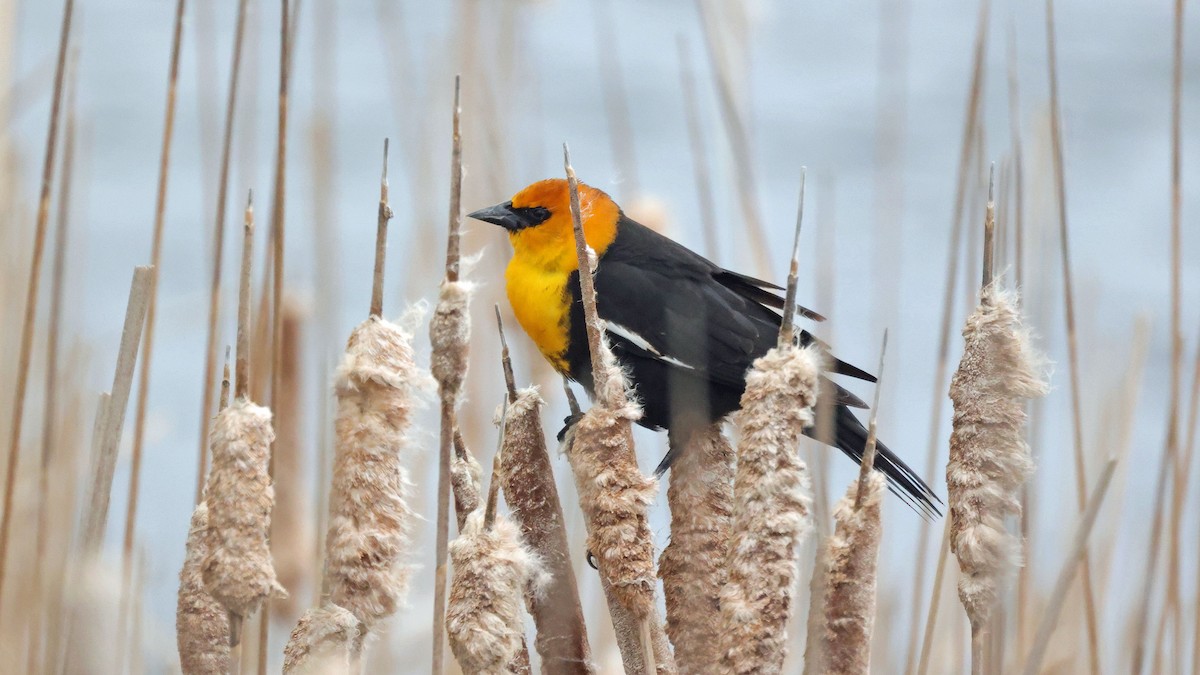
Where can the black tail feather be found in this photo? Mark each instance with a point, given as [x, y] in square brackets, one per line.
[851, 438]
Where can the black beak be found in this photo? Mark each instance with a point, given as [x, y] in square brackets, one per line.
[500, 214]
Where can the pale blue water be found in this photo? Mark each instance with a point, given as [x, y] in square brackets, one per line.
[812, 94]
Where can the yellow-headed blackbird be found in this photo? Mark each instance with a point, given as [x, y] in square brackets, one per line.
[685, 329]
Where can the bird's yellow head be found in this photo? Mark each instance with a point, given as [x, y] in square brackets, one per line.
[538, 220]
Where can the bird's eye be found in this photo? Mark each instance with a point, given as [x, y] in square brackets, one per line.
[532, 215]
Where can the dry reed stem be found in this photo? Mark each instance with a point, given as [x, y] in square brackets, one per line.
[385, 214]
[465, 479]
[31, 296]
[143, 399]
[1067, 575]
[527, 479]
[237, 568]
[851, 558]
[326, 641]
[771, 509]
[1089, 595]
[449, 334]
[201, 623]
[370, 522]
[957, 219]
[692, 566]
[292, 533]
[50, 402]
[214, 299]
[616, 100]
[704, 191]
[989, 458]
[105, 461]
[286, 32]
[493, 571]
[739, 141]
[814, 652]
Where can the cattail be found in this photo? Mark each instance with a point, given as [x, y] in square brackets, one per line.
[771, 511]
[201, 623]
[989, 459]
[613, 493]
[692, 566]
[324, 642]
[237, 567]
[851, 558]
[493, 569]
[292, 536]
[370, 521]
[465, 476]
[528, 481]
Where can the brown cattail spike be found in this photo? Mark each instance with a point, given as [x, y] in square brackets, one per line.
[201, 623]
[989, 459]
[237, 567]
[243, 321]
[771, 511]
[370, 522]
[493, 570]
[326, 640]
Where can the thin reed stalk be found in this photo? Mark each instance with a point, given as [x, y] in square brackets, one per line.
[31, 295]
[616, 103]
[143, 397]
[105, 461]
[527, 479]
[325, 642]
[278, 230]
[1089, 596]
[292, 531]
[218, 251]
[700, 169]
[50, 404]
[1070, 567]
[957, 219]
[692, 566]
[449, 334]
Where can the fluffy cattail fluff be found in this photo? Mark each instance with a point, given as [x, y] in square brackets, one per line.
[614, 494]
[465, 477]
[449, 336]
[851, 559]
[324, 642]
[237, 565]
[771, 509]
[201, 623]
[989, 459]
[692, 566]
[493, 570]
[527, 479]
[370, 522]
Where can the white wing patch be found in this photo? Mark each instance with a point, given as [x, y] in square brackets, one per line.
[643, 344]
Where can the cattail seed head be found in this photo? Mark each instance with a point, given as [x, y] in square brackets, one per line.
[201, 623]
[692, 566]
[237, 566]
[450, 336]
[771, 510]
[851, 560]
[493, 570]
[326, 641]
[989, 459]
[370, 522]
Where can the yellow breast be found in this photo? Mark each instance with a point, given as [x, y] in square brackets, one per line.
[539, 300]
